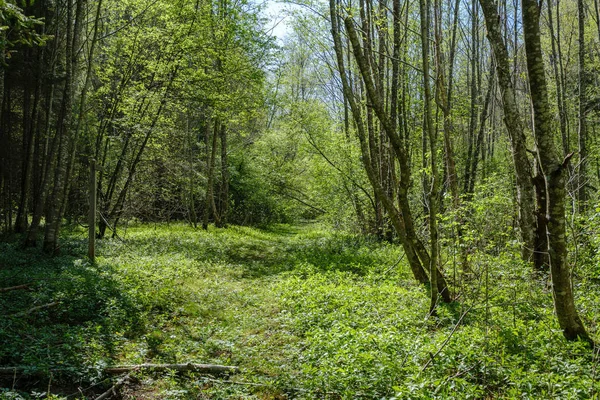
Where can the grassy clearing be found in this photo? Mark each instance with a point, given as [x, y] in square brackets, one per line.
[304, 312]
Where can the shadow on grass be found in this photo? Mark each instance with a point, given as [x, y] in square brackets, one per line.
[63, 322]
[86, 312]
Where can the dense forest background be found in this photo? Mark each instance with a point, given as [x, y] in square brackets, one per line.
[461, 133]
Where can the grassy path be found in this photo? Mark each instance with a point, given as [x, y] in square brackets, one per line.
[305, 313]
[235, 288]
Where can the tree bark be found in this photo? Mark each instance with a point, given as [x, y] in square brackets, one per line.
[516, 131]
[46, 149]
[401, 219]
[479, 139]
[475, 88]
[560, 99]
[444, 98]
[53, 206]
[203, 368]
[554, 174]
[224, 195]
[582, 132]
[210, 186]
[396, 218]
[29, 119]
[424, 7]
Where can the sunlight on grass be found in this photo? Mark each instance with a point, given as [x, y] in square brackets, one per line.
[305, 313]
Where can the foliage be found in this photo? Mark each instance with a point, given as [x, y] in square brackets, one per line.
[253, 199]
[17, 29]
[305, 312]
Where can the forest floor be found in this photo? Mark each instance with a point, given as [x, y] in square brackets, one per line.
[303, 311]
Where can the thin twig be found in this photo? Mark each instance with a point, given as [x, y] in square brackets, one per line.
[445, 341]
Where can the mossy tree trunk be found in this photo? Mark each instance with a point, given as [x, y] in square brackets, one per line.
[554, 172]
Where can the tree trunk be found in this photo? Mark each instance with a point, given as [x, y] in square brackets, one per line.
[53, 206]
[207, 142]
[479, 139]
[444, 98]
[117, 210]
[474, 89]
[402, 219]
[397, 220]
[554, 173]
[582, 132]
[224, 197]
[29, 111]
[516, 131]
[560, 99]
[46, 150]
[210, 205]
[431, 134]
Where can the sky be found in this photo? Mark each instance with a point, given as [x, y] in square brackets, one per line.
[278, 17]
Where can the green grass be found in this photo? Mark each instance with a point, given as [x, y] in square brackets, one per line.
[305, 313]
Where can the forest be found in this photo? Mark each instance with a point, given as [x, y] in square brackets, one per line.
[299, 199]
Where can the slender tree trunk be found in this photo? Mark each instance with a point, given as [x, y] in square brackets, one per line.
[597, 12]
[444, 102]
[53, 206]
[207, 131]
[563, 79]
[191, 150]
[445, 99]
[582, 132]
[474, 89]
[541, 259]
[210, 207]
[27, 155]
[479, 139]
[117, 210]
[5, 162]
[431, 134]
[397, 220]
[560, 99]
[224, 177]
[31, 171]
[516, 131]
[47, 150]
[403, 217]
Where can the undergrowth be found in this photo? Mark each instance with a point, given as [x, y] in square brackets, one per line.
[305, 312]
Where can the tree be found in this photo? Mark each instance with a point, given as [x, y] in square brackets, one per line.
[554, 172]
[582, 131]
[424, 6]
[516, 132]
[401, 216]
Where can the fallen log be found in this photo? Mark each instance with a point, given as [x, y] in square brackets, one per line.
[11, 288]
[206, 368]
[121, 369]
[36, 308]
